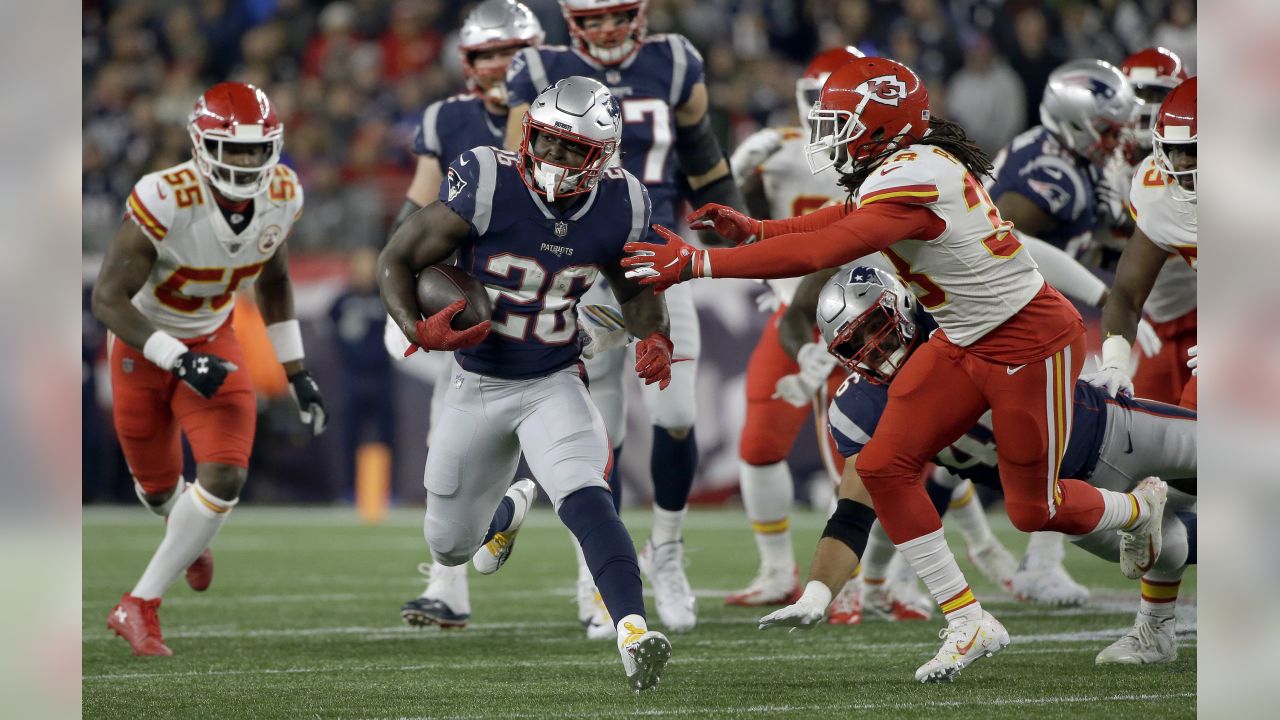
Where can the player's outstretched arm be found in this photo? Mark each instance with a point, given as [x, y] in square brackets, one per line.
[426, 238]
[843, 542]
[124, 271]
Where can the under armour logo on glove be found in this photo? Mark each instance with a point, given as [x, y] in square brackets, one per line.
[202, 372]
[306, 395]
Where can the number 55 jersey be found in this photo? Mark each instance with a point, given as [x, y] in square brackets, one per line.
[200, 261]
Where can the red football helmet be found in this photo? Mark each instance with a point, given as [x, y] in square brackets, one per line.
[810, 84]
[1174, 139]
[868, 108]
[1153, 72]
[237, 139]
[609, 46]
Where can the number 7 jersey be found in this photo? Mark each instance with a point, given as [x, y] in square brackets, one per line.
[200, 261]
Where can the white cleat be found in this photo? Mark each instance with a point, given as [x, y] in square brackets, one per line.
[645, 654]
[1140, 546]
[592, 612]
[995, 563]
[446, 601]
[771, 586]
[964, 642]
[663, 566]
[1048, 585]
[1146, 643]
[494, 553]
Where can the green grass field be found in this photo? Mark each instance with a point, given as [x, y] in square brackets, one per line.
[302, 621]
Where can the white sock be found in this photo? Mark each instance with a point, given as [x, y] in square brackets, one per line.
[667, 525]
[1119, 510]
[195, 519]
[1044, 550]
[1159, 595]
[877, 556]
[449, 583]
[766, 495]
[969, 516]
[166, 507]
[584, 572]
[933, 562]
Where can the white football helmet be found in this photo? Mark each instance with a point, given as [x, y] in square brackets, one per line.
[868, 321]
[607, 46]
[495, 25]
[584, 119]
[1089, 105]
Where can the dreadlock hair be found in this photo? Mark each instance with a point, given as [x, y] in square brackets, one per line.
[943, 134]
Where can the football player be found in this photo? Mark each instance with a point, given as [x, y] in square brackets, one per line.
[1171, 304]
[490, 36]
[871, 323]
[195, 234]
[536, 227]
[1007, 341]
[1046, 182]
[658, 81]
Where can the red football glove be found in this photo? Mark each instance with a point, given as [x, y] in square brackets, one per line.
[435, 332]
[727, 223]
[653, 360]
[662, 266]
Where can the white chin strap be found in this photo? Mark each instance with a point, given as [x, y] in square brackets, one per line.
[613, 54]
[549, 178]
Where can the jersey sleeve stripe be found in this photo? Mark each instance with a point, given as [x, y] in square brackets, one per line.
[430, 135]
[848, 428]
[484, 189]
[921, 194]
[537, 72]
[635, 192]
[144, 218]
[679, 66]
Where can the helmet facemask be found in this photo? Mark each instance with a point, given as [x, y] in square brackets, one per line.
[1176, 158]
[565, 175]
[238, 167]
[602, 37]
[836, 139]
[877, 343]
[486, 69]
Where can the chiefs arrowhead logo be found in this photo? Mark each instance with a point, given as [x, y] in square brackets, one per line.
[886, 90]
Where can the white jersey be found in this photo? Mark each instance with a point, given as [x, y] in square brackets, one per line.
[974, 275]
[1170, 223]
[200, 262]
[792, 190]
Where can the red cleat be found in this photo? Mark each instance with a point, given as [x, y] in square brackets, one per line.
[846, 607]
[136, 621]
[200, 572]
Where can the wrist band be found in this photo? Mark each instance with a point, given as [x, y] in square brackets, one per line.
[163, 350]
[286, 340]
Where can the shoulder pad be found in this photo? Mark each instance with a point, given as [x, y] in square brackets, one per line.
[909, 176]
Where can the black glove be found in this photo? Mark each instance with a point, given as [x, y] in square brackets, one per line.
[202, 372]
[306, 394]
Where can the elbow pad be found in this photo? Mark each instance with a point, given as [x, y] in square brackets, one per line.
[850, 524]
[408, 208]
[697, 148]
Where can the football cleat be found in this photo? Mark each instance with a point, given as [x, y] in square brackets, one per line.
[645, 654]
[881, 601]
[494, 553]
[200, 572]
[592, 612]
[1140, 546]
[995, 563]
[445, 602]
[136, 621]
[846, 606]
[424, 612]
[663, 566]
[1146, 643]
[771, 586]
[1049, 585]
[964, 641]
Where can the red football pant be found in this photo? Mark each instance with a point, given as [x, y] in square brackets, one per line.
[938, 395]
[150, 405]
[772, 425]
[1164, 377]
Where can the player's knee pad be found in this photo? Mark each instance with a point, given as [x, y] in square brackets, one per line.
[850, 524]
[1026, 516]
[880, 466]
[450, 543]
[149, 499]
[222, 480]
[759, 446]
[157, 478]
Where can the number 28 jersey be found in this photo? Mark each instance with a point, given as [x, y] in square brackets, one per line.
[200, 261]
[973, 276]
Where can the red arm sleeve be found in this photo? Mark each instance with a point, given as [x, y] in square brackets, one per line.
[859, 233]
[805, 223]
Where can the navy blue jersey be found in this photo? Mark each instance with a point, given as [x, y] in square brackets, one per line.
[535, 260]
[1037, 166]
[649, 85]
[454, 125]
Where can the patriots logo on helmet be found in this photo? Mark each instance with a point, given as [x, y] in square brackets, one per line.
[886, 90]
[865, 275]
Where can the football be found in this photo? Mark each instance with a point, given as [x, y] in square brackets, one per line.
[439, 286]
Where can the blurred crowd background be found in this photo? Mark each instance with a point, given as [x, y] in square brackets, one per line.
[350, 79]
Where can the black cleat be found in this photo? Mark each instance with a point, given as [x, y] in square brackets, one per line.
[423, 612]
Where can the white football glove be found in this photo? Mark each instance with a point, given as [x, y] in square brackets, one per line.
[1113, 188]
[1112, 374]
[601, 328]
[804, 613]
[1147, 338]
[1194, 363]
[768, 301]
[816, 365]
[752, 152]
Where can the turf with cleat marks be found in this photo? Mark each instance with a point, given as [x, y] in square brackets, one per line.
[302, 620]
